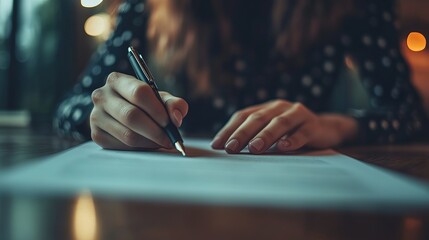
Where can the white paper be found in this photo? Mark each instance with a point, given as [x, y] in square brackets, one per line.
[321, 179]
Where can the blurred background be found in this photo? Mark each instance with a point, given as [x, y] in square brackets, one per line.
[45, 44]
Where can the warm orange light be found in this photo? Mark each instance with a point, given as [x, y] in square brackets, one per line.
[98, 25]
[416, 41]
[85, 225]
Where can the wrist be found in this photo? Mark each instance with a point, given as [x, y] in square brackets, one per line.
[345, 128]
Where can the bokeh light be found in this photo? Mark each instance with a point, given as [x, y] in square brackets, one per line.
[98, 25]
[349, 63]
[90, 3]
[85, 218]
[416, 41]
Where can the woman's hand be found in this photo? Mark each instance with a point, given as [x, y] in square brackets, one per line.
[128, 115]
[289, 126]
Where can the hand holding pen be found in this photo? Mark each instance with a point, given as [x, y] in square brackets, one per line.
[128, 114]
[143, 73]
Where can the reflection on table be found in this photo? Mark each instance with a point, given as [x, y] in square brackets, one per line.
[87, 217]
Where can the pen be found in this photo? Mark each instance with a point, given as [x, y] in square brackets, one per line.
[143, 73]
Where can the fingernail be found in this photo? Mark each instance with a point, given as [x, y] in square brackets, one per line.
[178, 116]
[284, 143]
[257, 144]
[216, 142]
[232, 145]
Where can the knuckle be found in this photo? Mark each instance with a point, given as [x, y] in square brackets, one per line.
[130, 138]
[97, 95]
[258, 117]
[299, 107]
[140, 90]
[112, 78]
[278, 103]
[283, 120]
[239, 116]
[93, 117]
[129, 114]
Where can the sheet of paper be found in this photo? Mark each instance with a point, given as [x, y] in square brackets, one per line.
[321, 179]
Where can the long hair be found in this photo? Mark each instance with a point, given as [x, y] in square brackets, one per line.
[195, 35]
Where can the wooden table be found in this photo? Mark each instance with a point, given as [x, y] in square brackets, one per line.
[38, 217]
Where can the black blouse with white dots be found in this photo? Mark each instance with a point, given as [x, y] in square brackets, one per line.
[395, 114]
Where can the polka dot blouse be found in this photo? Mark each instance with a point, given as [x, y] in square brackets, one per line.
[395, 113]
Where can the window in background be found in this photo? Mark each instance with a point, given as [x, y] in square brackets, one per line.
[5, 31]
[40, 48]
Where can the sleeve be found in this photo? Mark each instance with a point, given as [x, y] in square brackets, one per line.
[72, 114]
[396, 113]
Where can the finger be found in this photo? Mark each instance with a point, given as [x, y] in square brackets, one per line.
[104, 121]
[233, 123]
[278, 127]
[107, 141]
[139, 94]
[296, 140]
[250, 127]
[135, 119]
[177, 107]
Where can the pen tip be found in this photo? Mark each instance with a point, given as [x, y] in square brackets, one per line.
[179, 146]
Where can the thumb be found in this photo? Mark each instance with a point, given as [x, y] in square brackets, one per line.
[177, 107]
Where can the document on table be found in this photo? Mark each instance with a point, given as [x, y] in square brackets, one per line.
[319, 179]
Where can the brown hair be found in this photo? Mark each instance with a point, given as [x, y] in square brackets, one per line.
[182, 33]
